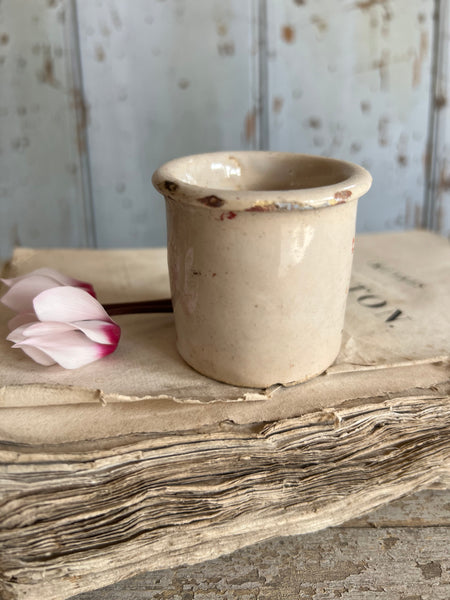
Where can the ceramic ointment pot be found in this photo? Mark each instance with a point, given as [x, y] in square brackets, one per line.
[260, 248]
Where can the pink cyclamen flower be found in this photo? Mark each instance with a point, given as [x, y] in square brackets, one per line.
[25, 288]
[58, 323]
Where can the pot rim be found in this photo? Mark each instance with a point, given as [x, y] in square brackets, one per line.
[356, 183]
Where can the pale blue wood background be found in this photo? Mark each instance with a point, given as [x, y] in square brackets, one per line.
[96, 94]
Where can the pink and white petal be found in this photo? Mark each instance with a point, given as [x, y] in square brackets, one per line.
[38, 328]
[63, 279]
[20, 296]
[37, 355]
[53, 274]
[16, 335]
[11, 281]
[68, 304]
[56, 276]
[47, 328]
[71, 350]
[44, 271]
[21, 319]
[103, 332]
[87, 287]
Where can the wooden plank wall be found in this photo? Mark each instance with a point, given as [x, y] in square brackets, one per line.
[95, 94]
[362, 76]
[41, 128]
[438, 198]
[162, 79]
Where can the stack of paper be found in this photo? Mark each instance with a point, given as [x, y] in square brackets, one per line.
[137, 462]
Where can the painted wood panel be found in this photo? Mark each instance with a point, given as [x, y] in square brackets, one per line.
[352, 80]
[437, 207]
[95, 94]
[41, 190]
[162, 79]
[428, 508]
[352, 564]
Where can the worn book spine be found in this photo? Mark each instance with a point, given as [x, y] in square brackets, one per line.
[78, 516]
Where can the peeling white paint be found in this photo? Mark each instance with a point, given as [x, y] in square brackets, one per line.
[350, 80]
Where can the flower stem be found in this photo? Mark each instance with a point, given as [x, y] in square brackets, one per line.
[144, 306]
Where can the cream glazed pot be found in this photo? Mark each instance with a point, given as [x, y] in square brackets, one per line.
[260, 248]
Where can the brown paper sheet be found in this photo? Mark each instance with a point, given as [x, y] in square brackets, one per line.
[138, 462]
[397, 316]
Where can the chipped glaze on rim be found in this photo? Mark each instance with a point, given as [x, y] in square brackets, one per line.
[356, 183]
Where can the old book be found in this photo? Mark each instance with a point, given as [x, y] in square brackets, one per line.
[137, 462]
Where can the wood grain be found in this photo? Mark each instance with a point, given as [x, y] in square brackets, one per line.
[437, 204]
[413, 531]
[95, 94]
[352, 564]
[352, 80]
[163, 79]
[41, 190]
[429, 508]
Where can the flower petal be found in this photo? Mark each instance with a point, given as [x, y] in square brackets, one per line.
[21, 319]
[20, 296]
[37, 355]
[44, 271]
[68, 304]
[21, 333]
[47, 328]
[87, 287]
[103, 332]
[17, 334]
[56, 276]
[27, 330]
[71, 349]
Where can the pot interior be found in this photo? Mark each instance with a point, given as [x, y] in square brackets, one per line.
[260, 171]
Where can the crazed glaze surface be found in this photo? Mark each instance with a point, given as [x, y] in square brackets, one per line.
[260, 248]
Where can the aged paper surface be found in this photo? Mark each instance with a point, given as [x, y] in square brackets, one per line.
[137, 462]
[397, 314]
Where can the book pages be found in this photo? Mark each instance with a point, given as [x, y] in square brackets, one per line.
[137, 462]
